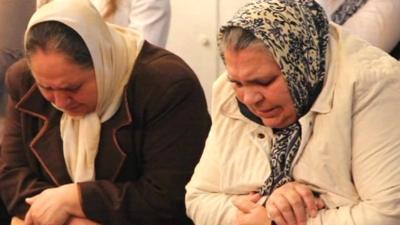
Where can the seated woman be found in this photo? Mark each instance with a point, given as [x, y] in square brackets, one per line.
[102, 127]
[305, 125]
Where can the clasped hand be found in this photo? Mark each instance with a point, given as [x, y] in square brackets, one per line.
[292, 203]
[54, 206]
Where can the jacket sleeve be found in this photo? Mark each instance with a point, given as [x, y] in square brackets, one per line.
[174, 126]
[375, 148]
[17, 179]
[206, 202]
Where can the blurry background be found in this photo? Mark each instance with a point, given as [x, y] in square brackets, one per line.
[192, 35]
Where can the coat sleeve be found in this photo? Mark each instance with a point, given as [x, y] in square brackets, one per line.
[174, 126]
[17, 179]
[206, 202]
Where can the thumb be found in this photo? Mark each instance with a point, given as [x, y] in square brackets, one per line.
[30, 200]
[244, 204]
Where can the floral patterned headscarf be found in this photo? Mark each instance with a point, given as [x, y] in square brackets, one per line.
[296, 33]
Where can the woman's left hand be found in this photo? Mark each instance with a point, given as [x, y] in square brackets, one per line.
[54, 206]
[249, 212]
[293, 203]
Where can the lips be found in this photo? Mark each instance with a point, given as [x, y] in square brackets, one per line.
[268, 112]
[72, 108]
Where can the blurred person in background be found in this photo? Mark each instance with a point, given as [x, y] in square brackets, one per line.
[151, 17]
[376, 21]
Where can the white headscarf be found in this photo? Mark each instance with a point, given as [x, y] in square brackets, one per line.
[113, 50]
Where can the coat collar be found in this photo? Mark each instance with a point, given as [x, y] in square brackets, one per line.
[47, 144]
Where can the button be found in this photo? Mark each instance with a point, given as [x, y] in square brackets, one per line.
[261, 135]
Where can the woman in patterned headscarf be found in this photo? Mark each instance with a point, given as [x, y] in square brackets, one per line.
[297, 119]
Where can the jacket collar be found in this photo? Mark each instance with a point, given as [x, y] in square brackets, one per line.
[47, 144]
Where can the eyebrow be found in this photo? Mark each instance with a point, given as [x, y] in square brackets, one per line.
[65, 88]
[253, 81]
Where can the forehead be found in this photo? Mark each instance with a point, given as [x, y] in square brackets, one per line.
[56, 68]
[250, 62]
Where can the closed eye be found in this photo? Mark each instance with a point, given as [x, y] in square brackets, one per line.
[71, 89]
[265, 82]
[236, 83]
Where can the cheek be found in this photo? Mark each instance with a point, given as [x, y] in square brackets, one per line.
[239, 93]
[87, 96]
[282, 93]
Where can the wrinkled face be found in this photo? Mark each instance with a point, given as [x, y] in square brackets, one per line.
[259, 84]
[69, 86]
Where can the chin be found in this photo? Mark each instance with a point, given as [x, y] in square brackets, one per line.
[274, 123]
[78, 115]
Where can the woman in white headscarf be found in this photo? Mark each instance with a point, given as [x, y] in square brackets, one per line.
[102, 126]
[305, 125]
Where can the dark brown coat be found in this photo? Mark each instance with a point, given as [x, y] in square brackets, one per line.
[147, 151]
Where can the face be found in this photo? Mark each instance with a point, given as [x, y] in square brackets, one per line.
[67, 85]
[261, 86]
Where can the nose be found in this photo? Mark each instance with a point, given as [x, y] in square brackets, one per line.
[251, 97]
[60, 99]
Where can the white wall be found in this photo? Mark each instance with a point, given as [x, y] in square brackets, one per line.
[192, 35]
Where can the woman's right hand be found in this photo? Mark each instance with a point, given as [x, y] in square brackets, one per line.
[293, 203]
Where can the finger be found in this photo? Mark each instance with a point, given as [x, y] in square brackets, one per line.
[320, 203]
[275, 215]
[244, 204]
[30, 200]
[308, 198]
[298, 206]
[285, 208]
[254, 197]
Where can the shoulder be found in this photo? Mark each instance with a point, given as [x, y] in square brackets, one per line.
[161, 66]
[161, 79]
[18, 79]
[361, 62]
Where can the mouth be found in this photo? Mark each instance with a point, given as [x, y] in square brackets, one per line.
[268, 113]
[72, 108]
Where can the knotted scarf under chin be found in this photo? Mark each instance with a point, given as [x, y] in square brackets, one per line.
[287, 142]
